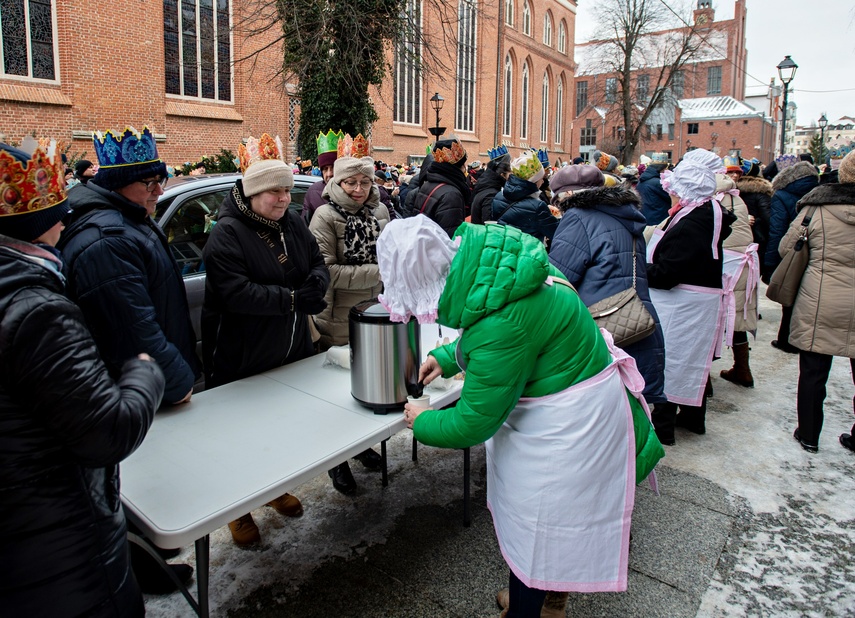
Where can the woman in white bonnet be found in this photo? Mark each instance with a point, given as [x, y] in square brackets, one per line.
[685, 278]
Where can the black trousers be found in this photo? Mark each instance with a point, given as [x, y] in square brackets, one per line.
[784, 328]
[813, 376]
[524, 602]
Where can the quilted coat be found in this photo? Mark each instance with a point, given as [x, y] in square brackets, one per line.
[349, 284]
[654, 201]
[593, 250]
[790, 186]
[64, 427]
[740, 237]
[514, 205]
[520, 338]
[824, 311]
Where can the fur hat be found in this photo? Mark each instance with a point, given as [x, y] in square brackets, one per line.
[528, 167]
[576, 178]
[346, 167]
[266, 175]
[846, 171]
[604, 161]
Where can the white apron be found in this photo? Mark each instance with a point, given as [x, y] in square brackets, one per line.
[693, 323]
[734, 264]
[560, 484]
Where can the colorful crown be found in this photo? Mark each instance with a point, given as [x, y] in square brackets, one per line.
[328, 142]
[306, 164]
[451, 154]
[495, 153]
[263, 148]
[356, 147]
[38, 184]
[527, 166]
[130, 147]
[543, 157]
[732, 163]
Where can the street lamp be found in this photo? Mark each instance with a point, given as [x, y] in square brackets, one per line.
[714, 139]
[823, 122]
[786, 71]
[436, 102]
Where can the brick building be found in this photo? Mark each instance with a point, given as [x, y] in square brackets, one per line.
[702, 109]
[68, 70]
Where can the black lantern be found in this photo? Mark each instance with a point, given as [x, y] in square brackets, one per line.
[786, 71]
[436, 102]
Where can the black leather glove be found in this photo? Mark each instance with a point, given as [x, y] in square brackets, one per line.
[315, 281]
[309, 299]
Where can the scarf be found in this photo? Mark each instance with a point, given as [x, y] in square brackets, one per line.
[361, 228]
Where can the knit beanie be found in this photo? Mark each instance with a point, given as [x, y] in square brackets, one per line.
[576, 178]
[266, 175]
[604, 161]
[34, 200]
[846, 171]
[81, 166]
[347, 167]
[528, 167]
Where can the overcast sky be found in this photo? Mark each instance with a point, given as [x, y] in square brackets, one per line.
[818, 34]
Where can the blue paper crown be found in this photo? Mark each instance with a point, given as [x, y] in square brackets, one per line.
[543, 157]
[128, 148]
[495, 153]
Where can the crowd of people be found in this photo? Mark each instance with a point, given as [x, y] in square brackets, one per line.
[96, 332]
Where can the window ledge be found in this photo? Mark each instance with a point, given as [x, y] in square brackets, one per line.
[201, 110]
[33, 94]
[412, 131]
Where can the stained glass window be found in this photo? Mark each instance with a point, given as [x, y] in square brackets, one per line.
[197, 48]
[26, 28]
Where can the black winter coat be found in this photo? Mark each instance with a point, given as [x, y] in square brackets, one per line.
[756, 192]
[64, 428]
[247, 323]
[122, 275]
[684, 254]
[513, 205]
[444, 197]
[655, 203]
[790, 186]
[593, 249]
[488, 185]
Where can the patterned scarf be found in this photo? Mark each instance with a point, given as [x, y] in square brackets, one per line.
[361, 230]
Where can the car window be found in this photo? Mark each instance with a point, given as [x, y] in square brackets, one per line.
[298, 194]
[187, 230]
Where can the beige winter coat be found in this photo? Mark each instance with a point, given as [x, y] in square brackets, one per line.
[824, 311]
[740, 237]
[348, 284]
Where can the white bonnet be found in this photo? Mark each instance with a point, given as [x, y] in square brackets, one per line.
[414, 256]
[693, 180]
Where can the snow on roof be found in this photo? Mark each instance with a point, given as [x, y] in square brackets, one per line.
[653, 50]
[715, 107]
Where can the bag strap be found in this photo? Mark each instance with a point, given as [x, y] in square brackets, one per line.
[633, 262]
[804, 225]
[502, 214]
[563, 282]
[430, 195]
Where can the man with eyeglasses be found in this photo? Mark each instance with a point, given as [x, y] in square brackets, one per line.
[122, 275]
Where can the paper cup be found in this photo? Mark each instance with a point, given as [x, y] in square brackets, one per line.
[419, 402]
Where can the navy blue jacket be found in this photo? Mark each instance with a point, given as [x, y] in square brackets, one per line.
[513, 205]
[122, 276]
[654, 201]
[790, 186]
[593, 249]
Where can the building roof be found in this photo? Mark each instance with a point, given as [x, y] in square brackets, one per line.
[715, 107]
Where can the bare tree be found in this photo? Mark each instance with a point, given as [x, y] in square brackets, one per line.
[641, 47]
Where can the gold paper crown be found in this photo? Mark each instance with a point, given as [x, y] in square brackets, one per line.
[355, 147]
[328, 142]
[260, 149]
[38, 184]
[306, 164]
[449, 155]
[529, 167]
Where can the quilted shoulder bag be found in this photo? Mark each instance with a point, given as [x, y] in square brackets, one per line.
[623, 314]
[787, 278]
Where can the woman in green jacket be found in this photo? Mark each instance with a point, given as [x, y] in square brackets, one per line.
[566, 441]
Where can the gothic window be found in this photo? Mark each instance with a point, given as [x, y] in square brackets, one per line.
[559, 110]
[524, 92]
[509, 86]
[562, 37]
[547, 30]
[544, 109]
[509, 12]
[28, 38]
[197, 48]
[466, 49]
[408, 77]
[527, 19]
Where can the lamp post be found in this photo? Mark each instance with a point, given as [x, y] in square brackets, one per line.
[823, 122]
[786, 71]
[713, 139]
[436, 102]
[733, 146]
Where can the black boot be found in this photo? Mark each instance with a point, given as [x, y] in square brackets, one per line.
[342, 479]
[664, 416]
[370, 459]
[151, 577]
[693, 418]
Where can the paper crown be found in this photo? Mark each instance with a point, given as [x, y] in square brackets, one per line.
[306, 164]
[543, 157]
[732, 163]
[527, 166]
[130, 147]
[39, 183]
[263, 148]
[356, 147]
[449, 154]
[495, 153]
[328, 142]
[659, 157]
[747, 164]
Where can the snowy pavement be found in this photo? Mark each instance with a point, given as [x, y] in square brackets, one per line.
[747, 524]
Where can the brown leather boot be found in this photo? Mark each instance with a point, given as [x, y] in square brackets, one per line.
[287, 505]
[244, 531]
[555, 605]
[740, 373]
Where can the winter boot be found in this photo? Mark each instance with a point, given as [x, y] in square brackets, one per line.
[693, 418]
[244, 531]
[342, 479]
[287, 505]
[664, 416]
[740, 373]
[555, 605]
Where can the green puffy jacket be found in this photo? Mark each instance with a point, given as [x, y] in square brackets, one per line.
[521, 338]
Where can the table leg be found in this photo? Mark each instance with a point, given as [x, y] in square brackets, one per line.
[203, 549]
[415, 450]
[383, 458]
[467, 515]
[143, 542]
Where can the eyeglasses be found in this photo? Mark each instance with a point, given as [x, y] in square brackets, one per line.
[365, 185]
[151, 184]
